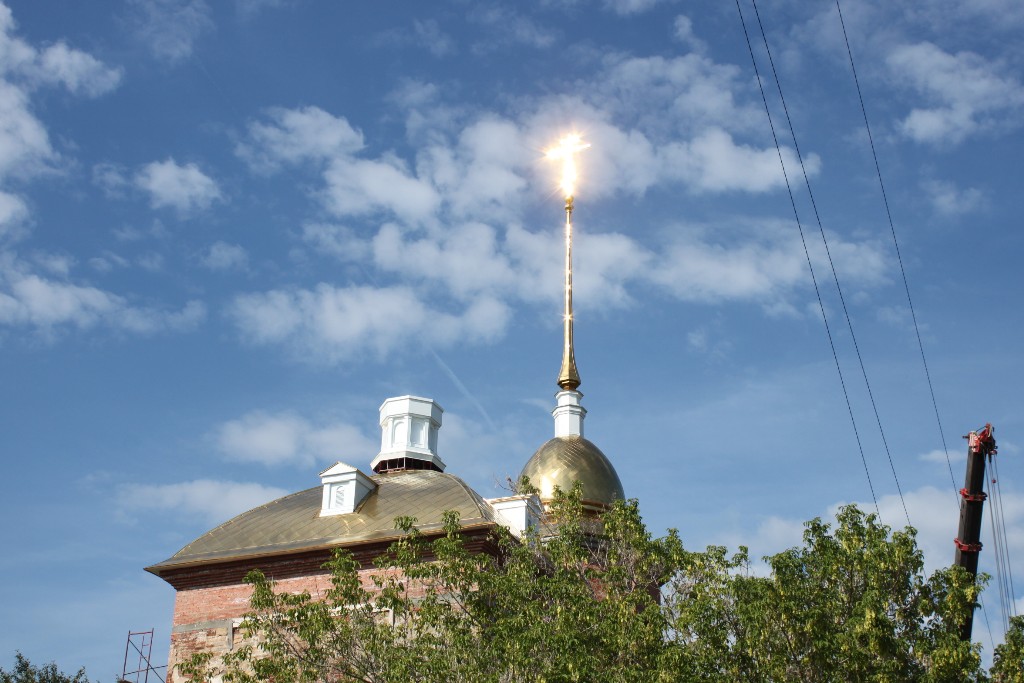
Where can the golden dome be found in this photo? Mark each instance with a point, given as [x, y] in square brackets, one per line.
[564, 460]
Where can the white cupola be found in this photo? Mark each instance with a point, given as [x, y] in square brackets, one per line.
[409, 426]
[345, 487]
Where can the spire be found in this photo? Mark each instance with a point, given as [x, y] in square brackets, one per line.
[568, 146]
[568, 376]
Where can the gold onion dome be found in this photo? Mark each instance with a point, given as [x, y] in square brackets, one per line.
[564, 460]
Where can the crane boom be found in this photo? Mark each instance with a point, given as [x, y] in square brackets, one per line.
[981, 445]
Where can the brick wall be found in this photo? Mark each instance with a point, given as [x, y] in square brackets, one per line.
[211, 599]
[207, 619]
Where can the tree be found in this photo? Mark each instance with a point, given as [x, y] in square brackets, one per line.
[25, 672]
[1008, 659]
[853, 605]
[599, 599]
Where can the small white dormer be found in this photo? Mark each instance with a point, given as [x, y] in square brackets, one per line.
[408, 440]
[344, 489]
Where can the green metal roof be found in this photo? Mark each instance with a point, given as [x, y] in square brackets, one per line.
[293, 523]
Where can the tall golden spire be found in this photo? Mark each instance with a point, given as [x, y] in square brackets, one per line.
[568, 146]
[568, 376]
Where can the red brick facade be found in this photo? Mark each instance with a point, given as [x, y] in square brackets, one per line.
[212, 599]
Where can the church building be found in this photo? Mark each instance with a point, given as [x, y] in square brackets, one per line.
[290, 539]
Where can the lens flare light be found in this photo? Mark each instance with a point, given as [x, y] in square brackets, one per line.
[566, 150]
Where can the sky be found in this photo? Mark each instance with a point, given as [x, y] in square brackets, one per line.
[229, 230]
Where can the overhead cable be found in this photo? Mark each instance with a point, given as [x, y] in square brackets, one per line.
[810, 265]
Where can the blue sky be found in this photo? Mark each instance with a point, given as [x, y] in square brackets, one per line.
[229, 230]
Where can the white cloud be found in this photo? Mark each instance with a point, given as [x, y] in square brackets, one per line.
[332, 324]
[428, 33]
[152, 261]
[713, 162]
[358, 187]
[485, 269]
[169, 28]
[472, 259]
[149, 321]
[286, 438]
[774, 534]
[46, 304]
[483, 173]
[336, 240]
[210, 500]
[761, 261]
[448, 216]
[353, 186]
[608, 264]
[764, 264]
[506, 27]
[295, 135]
[636, 159]
[128, 233]
[184, 188]
[111, 178]
[939, 456]
[683, 31]
[57, 264]
[704, 271]
[464, 257]
[250, 8]
[709, 340]
[13, 211]
[77, 71]
[24, 143]
[224, 256]
[625, 7]
[967, 92]
[997, 15]
[687, 93]
[950, 200]
[698, 339]
[273, 317]
[486, 165]
[108, 261]
[15, 52]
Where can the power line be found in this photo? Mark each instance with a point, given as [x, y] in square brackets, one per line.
[1001, 588]
[1004, 575]
[807, 255]
[1006, 543]
[903, 274]
[896, 244]
[828, 253]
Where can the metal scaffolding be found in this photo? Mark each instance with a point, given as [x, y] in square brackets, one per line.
[137, 653]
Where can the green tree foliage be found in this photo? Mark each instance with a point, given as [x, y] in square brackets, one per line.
[1008, 659]
[601, 600]
[25, 672]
